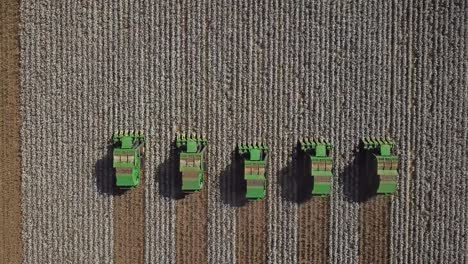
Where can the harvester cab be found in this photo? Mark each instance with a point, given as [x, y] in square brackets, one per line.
[318, 160]
[192, 163]
[127, 157]
[253, 158]
[381, 163]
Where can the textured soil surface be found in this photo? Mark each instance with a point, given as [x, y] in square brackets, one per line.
[129, 225]
[251, 233]
[271, 71]
[374, 231]
[11, 244]
[191, 232]
[313, 231]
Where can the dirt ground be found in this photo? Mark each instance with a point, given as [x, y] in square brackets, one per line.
[313, 228]
[11, 244]
[191, 232]
[374, 231]
[129, 225]
[251, 232]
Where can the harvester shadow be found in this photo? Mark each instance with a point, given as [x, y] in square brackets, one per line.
[168, 176]
[359, 185]
[105, 175]
[295, 185]
[232, 185]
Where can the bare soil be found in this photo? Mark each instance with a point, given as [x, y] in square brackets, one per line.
[11, 245]
[374, 231]
[191, 232]
[129, 225]
[251, 233]
[313, 230]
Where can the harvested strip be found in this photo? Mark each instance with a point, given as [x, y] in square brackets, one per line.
[251, 237]
[191, 232]
[11, 244]
[129, 225]
[314, 219]
[374, 231]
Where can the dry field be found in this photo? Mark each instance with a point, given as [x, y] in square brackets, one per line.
[129, 225]
[374, 246]
[270, 71]
[251, 233]
[191, 232]
[313, 231]
[11, 243]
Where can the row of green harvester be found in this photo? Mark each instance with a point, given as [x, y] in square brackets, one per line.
[317, 153]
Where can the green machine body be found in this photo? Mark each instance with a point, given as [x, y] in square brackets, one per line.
[381, 163]
[191, 150]
[253, 159]
[318, 157]
[127, 155]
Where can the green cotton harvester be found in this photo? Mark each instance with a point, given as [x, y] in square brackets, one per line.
[192, 161]
[317, 154]
[253, 158]
[127, 157]
[381, 163]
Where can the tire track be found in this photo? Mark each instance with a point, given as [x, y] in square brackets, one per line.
[375, 231]
[251, 235]
[191, 232]
[313, 231]
[11, 244]
[129, 225]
